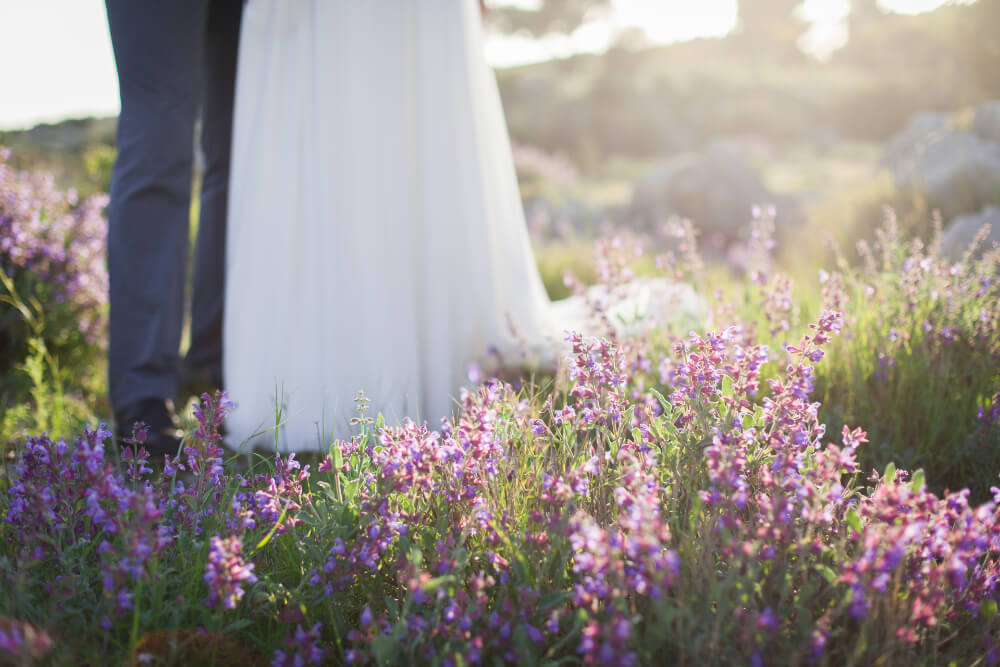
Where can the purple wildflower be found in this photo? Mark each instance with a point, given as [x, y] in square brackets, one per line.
[226, 572]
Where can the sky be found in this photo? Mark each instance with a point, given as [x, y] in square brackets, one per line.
[56, 60]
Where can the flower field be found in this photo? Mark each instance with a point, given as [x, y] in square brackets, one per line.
[809, 478]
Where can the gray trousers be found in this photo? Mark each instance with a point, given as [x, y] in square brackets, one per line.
[176, 61]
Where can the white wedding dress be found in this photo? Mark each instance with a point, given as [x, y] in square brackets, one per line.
[376, 238]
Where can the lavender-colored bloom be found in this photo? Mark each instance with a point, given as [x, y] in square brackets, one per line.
[226, 572]
[23, 643]
[767, 620]
[52, 245]
[303, 648]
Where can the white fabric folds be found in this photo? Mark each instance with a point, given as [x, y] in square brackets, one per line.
[376, 238]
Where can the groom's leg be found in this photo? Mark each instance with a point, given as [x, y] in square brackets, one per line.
[221, 44]
[157, 47]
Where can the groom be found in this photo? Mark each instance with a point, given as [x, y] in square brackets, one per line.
[176, 63]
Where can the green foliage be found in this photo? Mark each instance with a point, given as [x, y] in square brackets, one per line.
[47, 407]
[836, 222]
[98, 161]
[920, 360]
[651, 101]
[78, 152]
[556, 259]
[570, 532]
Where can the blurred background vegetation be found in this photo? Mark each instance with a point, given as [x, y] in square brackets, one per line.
[706, 128]
[904, 115]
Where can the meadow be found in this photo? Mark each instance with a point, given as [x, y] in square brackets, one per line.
[808, 476]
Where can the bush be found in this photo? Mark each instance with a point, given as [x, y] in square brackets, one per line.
[920, 365]
[919, 358]
[52, 248]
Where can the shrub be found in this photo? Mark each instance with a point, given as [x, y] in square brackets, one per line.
[920, 362]
[52, 249]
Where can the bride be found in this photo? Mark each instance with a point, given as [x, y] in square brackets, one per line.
[376, 238]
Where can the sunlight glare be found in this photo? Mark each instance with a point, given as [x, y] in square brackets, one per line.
[914, 6]
[676, 20]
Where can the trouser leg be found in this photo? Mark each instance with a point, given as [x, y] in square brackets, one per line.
[221, 45]
[158, 50]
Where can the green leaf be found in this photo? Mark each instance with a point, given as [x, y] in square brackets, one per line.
[267, 538]
[520, 572]
[386, 650]
[349, 516]
[917, 483]
[327, 491]
[664, 403]
[392, 607]
[890, 473]
[236, 626]
[828, 574]
[988, 609]
[339, 624]
[552, 600]
[525, 647]
[437, 582]
[555, 567]
[853, 520]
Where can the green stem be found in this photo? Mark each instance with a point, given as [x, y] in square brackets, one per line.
[135, 616]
